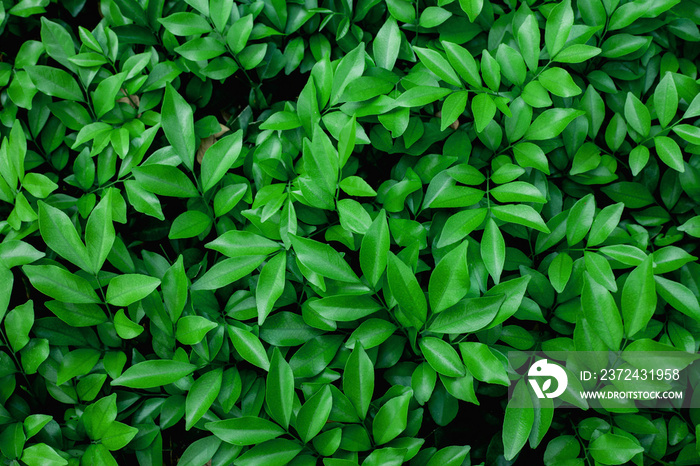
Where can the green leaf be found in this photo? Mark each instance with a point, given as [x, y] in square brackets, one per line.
[34, 423]
[60, 284]
[18, 323]
[276, 452]
[472, 8]
[463, 63]
[178, 125]
[15, 252]
[279, 394]
[77, 315]
[249, 57]
[281, 121]
[421, 95]
[370, 333]
[353, 216]
[88, 59]
[561, 449]
[249, 347]
[165, 180]
[468, 315]
[551, 123]
[521, 214]
[155, 373]
[691, 227]
[633, 195]
[490, 71]
[406, 290]
[599, 268]
[315, 355]
[580, 219]
[346, 145]
[423, 382]
[391, 419]
[201, 396]
[560, 271]
[54, 82]
[601, 312]
[587, 158]
[517, 191]
[669, 152]
[449, 281]
[143, 201]
[483, 364]
[557, 28]
[678, 296]
[483, 109]
[442, 357]
[189, 224]
[313, 415]
[577, 53]
[106, 93]
[185, 24]
[670, 258]
[626, 15]
[77, 362]
[449, 456]
[129, 288]
[529, 37]
[351, 66]
[628, 255]
[452, 108]
[528, 154]
[459, 225]
[614, 449]
[126, 328]
[604, 223]
[60, 235]
[245, 430]
[637, 115]
[239, 32]
[438, 65]
[270, 285]
[385, 47]
[7, 280]
[192, 329]
[639, 156]
[558, 81]
[118, 435]
[41, 454]
[321, 166]
[512, 65]
[227, 271]
[616, 132]
[666, 100]
[620, 45]
[493, 250]
[322, 259]
[518, 421]
[219, 158]
[345, 308]
[38, 185]
[236, 243]
[99, 233]
[688, 132]
[535, 95]
[358, 380]
[433, 16]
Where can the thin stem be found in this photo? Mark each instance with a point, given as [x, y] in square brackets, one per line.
[17, 361]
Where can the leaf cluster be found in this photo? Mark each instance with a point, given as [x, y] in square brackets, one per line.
[270, 232]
